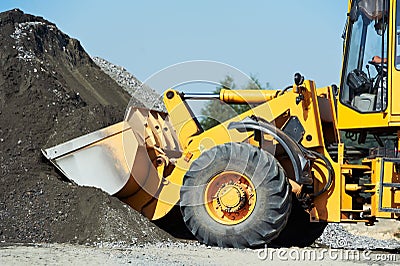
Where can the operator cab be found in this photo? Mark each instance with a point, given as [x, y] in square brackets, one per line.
[364, 82]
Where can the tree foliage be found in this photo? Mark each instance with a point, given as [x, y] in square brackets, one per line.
[216, 112]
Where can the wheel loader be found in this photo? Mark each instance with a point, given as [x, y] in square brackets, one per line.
[299, 158]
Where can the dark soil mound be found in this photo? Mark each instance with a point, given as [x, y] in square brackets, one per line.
[50, 92]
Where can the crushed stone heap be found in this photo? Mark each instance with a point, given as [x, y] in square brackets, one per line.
[146, 95]
[52, 91]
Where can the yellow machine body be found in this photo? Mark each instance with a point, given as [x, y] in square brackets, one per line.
[150, 152]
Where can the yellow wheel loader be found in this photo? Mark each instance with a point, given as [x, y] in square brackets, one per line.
[299, 158]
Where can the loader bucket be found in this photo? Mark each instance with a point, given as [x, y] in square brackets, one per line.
[127, 159]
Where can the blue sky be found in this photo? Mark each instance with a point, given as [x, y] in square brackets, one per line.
[269, 39]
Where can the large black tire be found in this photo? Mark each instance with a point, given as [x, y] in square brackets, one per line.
[299, 231]
[273, 196]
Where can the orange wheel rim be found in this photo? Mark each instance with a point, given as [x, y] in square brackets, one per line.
[230, 197]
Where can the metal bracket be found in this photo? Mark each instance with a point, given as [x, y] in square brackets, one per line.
[382, 185]
[294, 129]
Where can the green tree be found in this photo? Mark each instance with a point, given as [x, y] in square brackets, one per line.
[216, 112]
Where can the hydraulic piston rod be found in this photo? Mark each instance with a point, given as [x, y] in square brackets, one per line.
[235, 96]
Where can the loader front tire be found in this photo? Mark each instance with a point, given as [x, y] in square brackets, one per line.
[235, 195]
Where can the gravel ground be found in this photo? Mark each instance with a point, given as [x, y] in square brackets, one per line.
[336, 236]
[172, 254]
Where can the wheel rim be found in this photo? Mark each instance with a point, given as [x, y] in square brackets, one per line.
[230, 197]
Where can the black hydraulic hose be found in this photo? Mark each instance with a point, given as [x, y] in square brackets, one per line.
[285, 89]
[328, 165]
[331, 172]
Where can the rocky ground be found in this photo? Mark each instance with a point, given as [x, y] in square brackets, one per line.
[184, 254]
[52, 91]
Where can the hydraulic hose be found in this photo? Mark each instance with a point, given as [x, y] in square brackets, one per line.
[328, 166]
[331, 172]
[285, 90]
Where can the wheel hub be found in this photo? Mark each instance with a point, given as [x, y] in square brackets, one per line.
[231, 197]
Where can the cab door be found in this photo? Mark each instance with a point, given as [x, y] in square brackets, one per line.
[364, 90]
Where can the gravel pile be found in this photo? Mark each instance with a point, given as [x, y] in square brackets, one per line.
[52, 91]
[146, 95]
[335, 236]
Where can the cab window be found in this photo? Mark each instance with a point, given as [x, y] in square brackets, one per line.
[364, 81]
